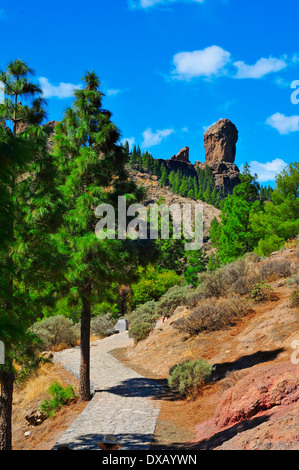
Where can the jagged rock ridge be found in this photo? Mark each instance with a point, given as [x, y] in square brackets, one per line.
[220, 149]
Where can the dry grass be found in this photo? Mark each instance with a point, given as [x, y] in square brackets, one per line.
[36, 388]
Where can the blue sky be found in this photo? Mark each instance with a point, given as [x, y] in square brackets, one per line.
[171, 68]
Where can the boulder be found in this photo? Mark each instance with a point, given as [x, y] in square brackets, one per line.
[220, 142]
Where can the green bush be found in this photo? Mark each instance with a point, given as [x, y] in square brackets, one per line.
[152, 285]
[56, 330]
[174, 297]
[140, 331]
[142, 321]
[189, 377]
[61, 396]
[269, 245]
[103, 325]
[261, 291]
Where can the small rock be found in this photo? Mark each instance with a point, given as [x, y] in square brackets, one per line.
[47, 355]
[35, 418]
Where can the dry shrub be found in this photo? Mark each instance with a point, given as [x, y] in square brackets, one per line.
[232, 378]
[213, 314]
[294, 299]
[293, 281]
[274, 269]
[36, 387]
[234, 278]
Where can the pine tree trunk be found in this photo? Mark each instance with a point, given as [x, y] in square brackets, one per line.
[84, 389]
[6, 382]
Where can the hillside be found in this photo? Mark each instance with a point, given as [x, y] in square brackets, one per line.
[253, 399]
[154, 193]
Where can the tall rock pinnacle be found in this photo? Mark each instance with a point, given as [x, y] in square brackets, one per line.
[220, 142]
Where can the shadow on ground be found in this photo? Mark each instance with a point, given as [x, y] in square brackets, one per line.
[244, 362]
[217, 439]
[127, 441]
[158, 389]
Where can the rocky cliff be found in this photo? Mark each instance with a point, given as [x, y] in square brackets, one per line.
[220, 152]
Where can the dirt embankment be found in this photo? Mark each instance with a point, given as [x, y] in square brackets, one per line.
[253, 399]
[27, 400]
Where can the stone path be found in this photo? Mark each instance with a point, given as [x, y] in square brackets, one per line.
[125, 403]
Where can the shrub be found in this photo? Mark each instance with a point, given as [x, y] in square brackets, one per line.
[174, 297]
[274, 269]
[269, 245]
[54, 331]
[140, 331]
[142, 321]
[189, 377]
[153, 285]
[293, 282]
[294, 299]
[212, 315]
[261, 291]
[103, 325]
[213, 284]
[61, 396]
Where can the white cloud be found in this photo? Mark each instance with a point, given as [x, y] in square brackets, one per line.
[113, 92]
[266, 171]
[151, 3]
[284, 124]
[151, 138]
[202, 63]
[216, 61]
[261, 68]
[63, 90]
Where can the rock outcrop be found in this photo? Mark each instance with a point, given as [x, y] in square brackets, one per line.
[182, 156]
[220, 148]
[220, 142]
[259, 412]
[226, 175]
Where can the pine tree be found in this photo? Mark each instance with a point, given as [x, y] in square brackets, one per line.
[164, 176]
[19, 146]
[235, 234]
[196, 263]
[91, 162]
[157, 170]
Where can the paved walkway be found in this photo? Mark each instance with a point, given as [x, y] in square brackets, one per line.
[125, 403]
